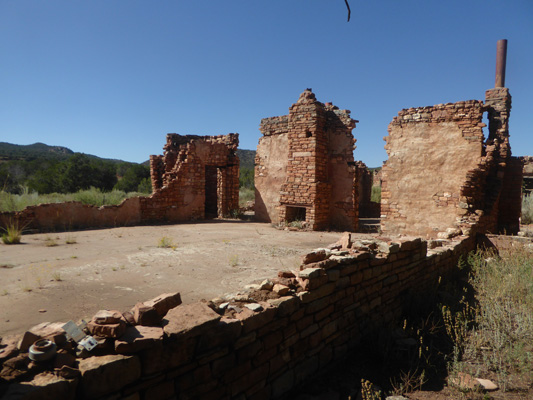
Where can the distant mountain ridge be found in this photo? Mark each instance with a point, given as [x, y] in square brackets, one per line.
[9, 151]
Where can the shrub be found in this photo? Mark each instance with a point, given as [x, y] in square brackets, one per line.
[376, 194]
[501, 328]
[245, 195]
[527, 210]
[12, 233]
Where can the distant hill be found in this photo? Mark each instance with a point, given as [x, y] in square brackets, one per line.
[10, 151]
[246, 158]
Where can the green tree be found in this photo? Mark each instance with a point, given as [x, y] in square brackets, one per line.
[133, 177]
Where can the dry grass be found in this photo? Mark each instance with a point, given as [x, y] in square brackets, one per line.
[496, 333]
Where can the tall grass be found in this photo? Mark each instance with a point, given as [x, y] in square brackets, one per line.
[376, 194]
[527, 210]
[500, 332]
[245, 195]
[93, 196]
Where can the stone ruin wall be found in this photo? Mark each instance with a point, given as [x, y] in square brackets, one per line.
[195, 175]
[443, 177]
[305, 168]
[248, 349]
[179, 190]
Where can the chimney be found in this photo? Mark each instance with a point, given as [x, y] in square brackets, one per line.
[501, 58]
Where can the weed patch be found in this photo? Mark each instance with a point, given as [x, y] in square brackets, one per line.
[166, 243]
[12, 233]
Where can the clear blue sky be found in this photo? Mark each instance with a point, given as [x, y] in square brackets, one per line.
[112, 77]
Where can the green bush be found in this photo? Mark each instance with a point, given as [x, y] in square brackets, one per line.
[527, 210]
[246, 194]
[376, 194]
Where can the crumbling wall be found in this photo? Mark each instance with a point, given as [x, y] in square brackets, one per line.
[245, 347]
[195, 178]
[304, 167]
[74, 215]
[430, 149]
[271, 159]
[443, 178]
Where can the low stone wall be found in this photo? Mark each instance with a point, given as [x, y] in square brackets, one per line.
[256, 345]
[74, 215]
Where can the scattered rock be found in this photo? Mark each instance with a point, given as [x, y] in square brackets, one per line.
[346, 240]
[107, 330]
[104, 317]
[282, 290]
[267, 284]
[464, 381]
[254, 307]
[488, 385]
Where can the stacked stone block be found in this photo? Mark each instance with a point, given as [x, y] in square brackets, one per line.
[318, 169]
[479, 195]
[246, 348]
[179, 177]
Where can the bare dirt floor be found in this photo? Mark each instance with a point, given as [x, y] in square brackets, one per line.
[71, 275]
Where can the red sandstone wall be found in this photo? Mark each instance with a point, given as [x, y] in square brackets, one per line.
[431, 150]
[73, 215]
[342, 296]
[271, 161]
[304, 161]
[179, 178]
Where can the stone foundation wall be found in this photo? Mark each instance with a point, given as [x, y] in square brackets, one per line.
[248, 347]
[68, 216]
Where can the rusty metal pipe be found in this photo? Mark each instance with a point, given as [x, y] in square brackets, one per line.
[501, 60]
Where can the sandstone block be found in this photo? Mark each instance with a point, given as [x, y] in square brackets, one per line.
[45, 386]
[146, 315]
[282, 290]
[137, 338]
[109, 330]
[164, 302]
[315, 256]
[104, 317]
[107, 374]
[191, 319]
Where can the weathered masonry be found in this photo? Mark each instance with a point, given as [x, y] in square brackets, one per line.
[443, 178]
[197, 177]
[305, 168]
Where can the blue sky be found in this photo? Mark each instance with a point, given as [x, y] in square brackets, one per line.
[111, 78]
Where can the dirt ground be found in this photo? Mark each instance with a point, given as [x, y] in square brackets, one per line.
[71, 275]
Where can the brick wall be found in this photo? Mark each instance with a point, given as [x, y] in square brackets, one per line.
[442, 174]
[249, 348]
[179, 190]
[180, 187]
[304, 167]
